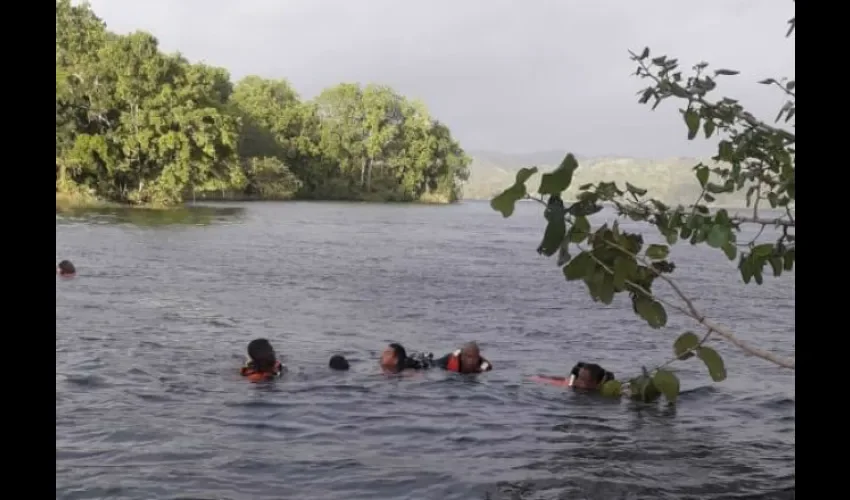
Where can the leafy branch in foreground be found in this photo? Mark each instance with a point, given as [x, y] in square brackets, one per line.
[752, 157]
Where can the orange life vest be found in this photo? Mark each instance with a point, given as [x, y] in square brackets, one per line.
[255, 375]
[453, 365]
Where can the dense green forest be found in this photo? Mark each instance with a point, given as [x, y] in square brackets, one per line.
[138, 126]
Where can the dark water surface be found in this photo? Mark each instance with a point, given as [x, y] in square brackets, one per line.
[149, 338]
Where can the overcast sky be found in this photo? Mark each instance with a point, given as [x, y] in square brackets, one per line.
[506, 75]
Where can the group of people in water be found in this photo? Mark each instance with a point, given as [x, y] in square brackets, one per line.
[263, 364]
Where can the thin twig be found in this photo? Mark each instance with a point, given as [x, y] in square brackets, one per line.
[758, 199]
[785, 89]
[780, 222]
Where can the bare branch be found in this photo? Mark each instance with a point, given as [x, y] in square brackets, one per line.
[779, 222]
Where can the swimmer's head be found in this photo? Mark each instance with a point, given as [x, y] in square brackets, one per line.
[338, 362]
[470, 357]
[589, 376]
[262, 355]
[393, 357]
[66, 269]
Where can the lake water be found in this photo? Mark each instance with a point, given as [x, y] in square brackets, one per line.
[150, 336]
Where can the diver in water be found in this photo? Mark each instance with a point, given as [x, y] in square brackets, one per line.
[395, 359]
[467, 359]
[66, 269]
[262, 364]
[338, 362]
[584, 376]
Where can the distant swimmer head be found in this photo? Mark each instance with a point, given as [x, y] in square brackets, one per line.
[338, 362]
[66, 269]
[589, 376]
[393, 358]
[470, 356]
[261, 355]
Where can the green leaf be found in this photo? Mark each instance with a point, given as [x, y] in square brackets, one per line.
[554, 235]
[746, 267]
[505, 202]
[668, 383]
[776, 264]
[692, 121]
[625, 269]
[730, 250]
[722, 217]
[702, 175]
[600, 285]
[708, 128]
[651, 311]
[757, 275]
[708, 198]
[716, 188]
[644, 54]
[635, 190]
[672, 237]
[767, 81]
[560, 179]
[788, 259]
[713, 362]
[773, 199]
[524, 174]
[642, 389]
[657, 252]
[727, 72]
[564, 253]
[579, 267]
[763, 250]
[580, 229]
[718, 236]
[683, 345]
[611, 389]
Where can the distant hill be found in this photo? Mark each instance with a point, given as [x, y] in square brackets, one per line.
[670, 180]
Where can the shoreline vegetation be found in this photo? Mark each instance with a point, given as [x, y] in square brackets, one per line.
[139, 127]
[136, 127]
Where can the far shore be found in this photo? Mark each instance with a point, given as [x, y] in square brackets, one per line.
[69, 202]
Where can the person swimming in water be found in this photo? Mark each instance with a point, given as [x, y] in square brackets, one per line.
[66, 269]
[395, 359]
[262, 362]
[338, 362]
[467, 359]
[584, 376]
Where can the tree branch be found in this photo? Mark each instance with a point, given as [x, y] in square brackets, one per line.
[744, 116]
[700, 318]
[764, 222]
[690, 310]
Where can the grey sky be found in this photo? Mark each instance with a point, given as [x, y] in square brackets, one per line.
[505, 75]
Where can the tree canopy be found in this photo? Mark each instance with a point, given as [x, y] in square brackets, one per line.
[136, 125]
[754, 158]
